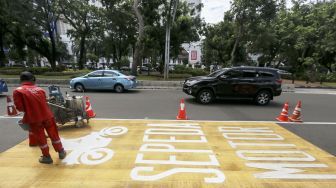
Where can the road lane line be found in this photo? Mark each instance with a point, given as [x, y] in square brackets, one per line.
[103, 119]
[238, 121]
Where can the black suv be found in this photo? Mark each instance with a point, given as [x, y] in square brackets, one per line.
[258, 83]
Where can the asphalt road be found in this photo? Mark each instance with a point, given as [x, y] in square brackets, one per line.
[317, 106]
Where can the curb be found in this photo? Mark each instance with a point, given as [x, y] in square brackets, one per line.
[146, 84]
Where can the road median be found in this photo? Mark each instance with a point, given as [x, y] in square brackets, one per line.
[142, 84]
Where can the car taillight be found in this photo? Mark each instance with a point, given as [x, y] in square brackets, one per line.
[279, 81]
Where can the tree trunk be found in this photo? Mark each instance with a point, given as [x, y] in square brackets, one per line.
[161, 66]
[235, 46]
[2, 51]
[233, 52]
[138, 45]
[293, 78]
[82, 53]
[53, 49]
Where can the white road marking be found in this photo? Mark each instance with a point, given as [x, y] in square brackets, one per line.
[107, 119]
[233, 121]
[9, 117]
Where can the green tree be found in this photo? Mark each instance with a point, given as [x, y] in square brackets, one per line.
[138, 47]
[218, 43]
[45, 18]
[30, 24]
[120, 30]
[85, 20]
[185, 29]
[247, 15]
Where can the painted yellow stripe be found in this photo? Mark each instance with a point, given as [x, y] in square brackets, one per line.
[213, 163]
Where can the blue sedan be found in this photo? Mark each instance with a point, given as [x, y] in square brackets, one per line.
[104, 80]
[3, 86]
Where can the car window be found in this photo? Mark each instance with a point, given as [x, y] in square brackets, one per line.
[265, 74]
[233, 74]
[95, 74]
[110, 74]
[249, 74]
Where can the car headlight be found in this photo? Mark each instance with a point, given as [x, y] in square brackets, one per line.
[192, 82]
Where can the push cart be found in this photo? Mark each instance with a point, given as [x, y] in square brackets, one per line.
[68, 109]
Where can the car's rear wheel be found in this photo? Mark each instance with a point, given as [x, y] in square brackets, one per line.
[205, 96]
[263, 97]
[119, 88]
[79, 87]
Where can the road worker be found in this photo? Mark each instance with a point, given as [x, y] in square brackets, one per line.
[31, 100]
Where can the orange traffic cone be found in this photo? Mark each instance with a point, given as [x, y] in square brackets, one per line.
[88, 109]
[296, 117]
[182, 115]
[284, 114]
[11, 110]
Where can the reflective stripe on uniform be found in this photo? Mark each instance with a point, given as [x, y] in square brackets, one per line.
[56, 142]
[44, 146]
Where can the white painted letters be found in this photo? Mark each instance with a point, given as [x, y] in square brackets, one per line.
[169, 148]
[156, 140]
[306, 156]
[289, 171]
[173, 161]
[219, 176]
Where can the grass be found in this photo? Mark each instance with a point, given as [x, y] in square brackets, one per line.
[67, 77]
[329, 84]
[302, 83]
[158, 78]
[39, 76]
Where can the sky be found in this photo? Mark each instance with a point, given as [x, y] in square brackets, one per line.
[213, 10]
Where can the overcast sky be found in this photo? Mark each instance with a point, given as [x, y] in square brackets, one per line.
[213, 10]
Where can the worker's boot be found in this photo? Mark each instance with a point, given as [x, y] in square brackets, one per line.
[62, 154]
[46, 160]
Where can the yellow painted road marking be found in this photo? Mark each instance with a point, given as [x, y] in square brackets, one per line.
[151, 153]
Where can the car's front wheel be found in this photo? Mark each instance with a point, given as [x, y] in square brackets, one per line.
[79, 87]
[205, 96]
[119, 88]
[263, 97]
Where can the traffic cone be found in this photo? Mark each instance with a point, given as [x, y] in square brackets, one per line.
[296, 116]
[284, 113]
[11, 110]
[88, 109]
[182, 115]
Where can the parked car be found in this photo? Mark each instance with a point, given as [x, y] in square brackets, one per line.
[3, 86]
[257, 83]
[104, 80]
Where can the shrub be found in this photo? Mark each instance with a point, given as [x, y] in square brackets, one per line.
[11, 70]
[181, 69]
[39, 70]
[331, 77]
[198, 72]
[179, 76]
[60, 68]
[67, 73]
